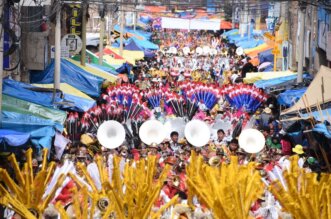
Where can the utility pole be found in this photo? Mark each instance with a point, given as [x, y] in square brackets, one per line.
[1, 58]
[122, 29]
[57, 67]
[83, 52]
[302, 12]
[102, 33]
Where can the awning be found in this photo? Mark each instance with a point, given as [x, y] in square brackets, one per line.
[97, 72]
[13, 138]
[12, 104]
[81, 101]
[253, 77]
[71, 74]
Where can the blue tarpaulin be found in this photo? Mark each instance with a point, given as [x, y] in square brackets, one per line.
[70, 74]
[266, 56]
[146, 44]
[249, 43]
[26, 123]
[317, 114]
[289, 97]
[322, 129]
[132, 46]
[231, 32]
[13, 138]
[104, 68]
[124, 69]
[278, 81]
[23, 91]
[41, 131]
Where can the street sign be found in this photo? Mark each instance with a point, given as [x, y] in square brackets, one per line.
[71, 44]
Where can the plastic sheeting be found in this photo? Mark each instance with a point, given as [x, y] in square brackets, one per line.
[95, 71]
[70, 74]
[322, 129]
[13, 138]
[145, 44]
[12, 104]
[231, 32]
[132, 46]
[253, 77]
[81, 101]
[250, 43]
[92, 58]
[26, 123]
[278, 81]
[289, 97]
[130, 56]
[256, 50]
[266, 56]
[22, 91]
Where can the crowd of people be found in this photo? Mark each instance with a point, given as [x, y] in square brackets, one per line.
[221, 66]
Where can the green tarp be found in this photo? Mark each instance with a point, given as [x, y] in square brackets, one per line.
[12, 104]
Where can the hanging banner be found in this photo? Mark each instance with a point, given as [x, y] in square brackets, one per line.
[74, 19]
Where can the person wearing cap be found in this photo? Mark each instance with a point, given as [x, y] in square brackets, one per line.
[298, 150]
[242, 155]
[265, 117]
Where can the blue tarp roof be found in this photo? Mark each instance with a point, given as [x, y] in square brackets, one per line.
[70, 74]
[289, 97]
[266, 56]
[277, 81]
[249, 43]
[146, 44]
[13, 138]
[317, 114]
[23, 91]
[40, 131]
[322, 129]
[132, 46]
[104, 68]
[26, 123]
[140, 33]
[233, 31]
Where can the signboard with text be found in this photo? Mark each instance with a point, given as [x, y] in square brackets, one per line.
[74, 19]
